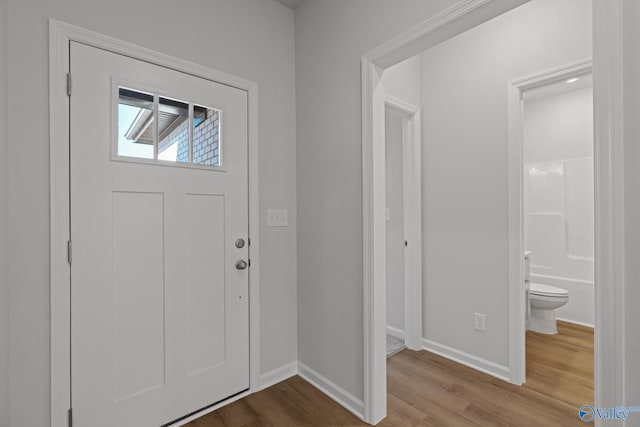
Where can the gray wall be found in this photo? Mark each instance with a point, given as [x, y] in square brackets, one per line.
[404, 81]
[331, 37]
[632, 201]
[4, 291]
[249, 38]
[464, 113]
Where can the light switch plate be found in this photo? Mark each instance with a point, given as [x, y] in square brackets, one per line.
[277, 217]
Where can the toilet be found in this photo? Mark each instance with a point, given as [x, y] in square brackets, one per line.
[544, 300]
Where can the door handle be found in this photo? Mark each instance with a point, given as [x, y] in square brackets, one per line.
[241, 264]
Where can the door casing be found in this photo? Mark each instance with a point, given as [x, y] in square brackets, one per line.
[517, 295]
[60, 35]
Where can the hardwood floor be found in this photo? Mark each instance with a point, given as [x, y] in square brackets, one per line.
[427, 390]
[561, 366]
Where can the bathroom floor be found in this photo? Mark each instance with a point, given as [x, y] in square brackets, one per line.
[561, 366]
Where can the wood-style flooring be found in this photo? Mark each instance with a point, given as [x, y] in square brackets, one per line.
[427, 390]
[561, 366]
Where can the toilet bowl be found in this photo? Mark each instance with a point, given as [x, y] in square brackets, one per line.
[544, 301]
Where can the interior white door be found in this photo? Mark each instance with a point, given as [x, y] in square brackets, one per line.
[160, 320]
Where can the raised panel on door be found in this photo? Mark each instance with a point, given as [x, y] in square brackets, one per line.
[138, 293]
[204, 263]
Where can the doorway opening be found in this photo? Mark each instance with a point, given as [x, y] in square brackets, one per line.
[403, 226]
[609, 371]
[551, 127]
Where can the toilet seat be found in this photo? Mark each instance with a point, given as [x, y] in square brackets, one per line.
[547, 291]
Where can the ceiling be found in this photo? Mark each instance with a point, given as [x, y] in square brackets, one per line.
[291, 4]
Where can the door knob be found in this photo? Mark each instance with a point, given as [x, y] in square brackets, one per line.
[240, 243]
[241, 264]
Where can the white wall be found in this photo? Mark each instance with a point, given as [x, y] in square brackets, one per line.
[249, 38]
[558, 195]
[632, 201]
[395, 221]
[464, 111]
[4, 291]
[402, 82]
[331, 37]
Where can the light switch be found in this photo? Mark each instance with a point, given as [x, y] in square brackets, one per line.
[277, 217]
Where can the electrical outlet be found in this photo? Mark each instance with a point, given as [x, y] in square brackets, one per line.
[480, 322]
[277, 217]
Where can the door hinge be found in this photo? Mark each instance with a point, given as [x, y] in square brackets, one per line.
[406, 243]
[69, 251]
[68, 84]
[70, 417]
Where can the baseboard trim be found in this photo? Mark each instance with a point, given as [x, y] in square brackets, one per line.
[575, 322]
[395, 332]
[475, 362]
[278, 375]
[335, 392]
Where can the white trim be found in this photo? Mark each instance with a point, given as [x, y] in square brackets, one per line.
[334, 391]
[610, 363]
[60, 270]
[404, 109]
[609, 174]
[475, 362]
[60, 34]
[453, 21]
[373, 244]
[517, 294]
[395, 332]
[278, 375]
[412, 196]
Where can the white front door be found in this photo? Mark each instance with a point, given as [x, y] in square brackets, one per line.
[159, 230]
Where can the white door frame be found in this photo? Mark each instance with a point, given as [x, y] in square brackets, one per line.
[609, 181]
[412, 195]
[517, 293]
[60, 36]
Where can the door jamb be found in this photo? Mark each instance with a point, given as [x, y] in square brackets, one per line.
[609, 181]
[517, 293]
[412, 194]
[60, 36]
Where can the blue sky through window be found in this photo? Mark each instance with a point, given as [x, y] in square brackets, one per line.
[128, 148]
